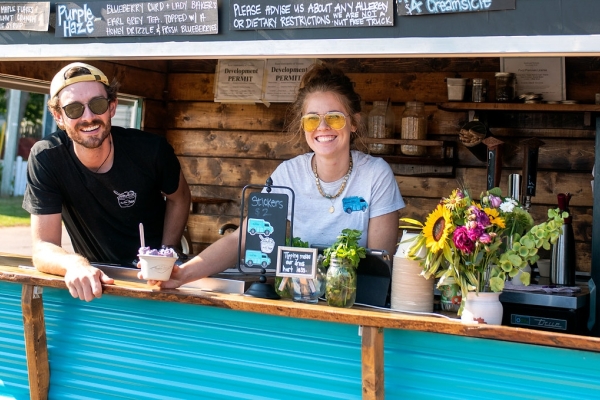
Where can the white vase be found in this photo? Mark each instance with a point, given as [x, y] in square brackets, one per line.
[482, 308]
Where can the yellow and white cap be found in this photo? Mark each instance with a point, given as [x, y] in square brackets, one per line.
[59, 82]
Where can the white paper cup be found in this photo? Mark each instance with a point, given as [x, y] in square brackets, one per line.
[156, 268]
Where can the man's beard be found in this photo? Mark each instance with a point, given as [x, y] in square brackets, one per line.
[90, 142]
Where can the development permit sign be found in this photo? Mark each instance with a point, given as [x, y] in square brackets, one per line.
[140, 18]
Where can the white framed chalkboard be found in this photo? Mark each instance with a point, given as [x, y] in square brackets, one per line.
[24, 16]
[432, 7]
[297, 262]
[136, 18]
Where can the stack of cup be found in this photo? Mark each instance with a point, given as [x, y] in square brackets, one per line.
[410, 290]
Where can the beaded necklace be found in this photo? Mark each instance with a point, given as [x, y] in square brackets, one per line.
[341, 189]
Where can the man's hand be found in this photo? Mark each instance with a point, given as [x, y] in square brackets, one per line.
[85, 282]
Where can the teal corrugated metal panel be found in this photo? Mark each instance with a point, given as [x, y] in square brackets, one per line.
[117, 347]
[422, 365]
[13, 363]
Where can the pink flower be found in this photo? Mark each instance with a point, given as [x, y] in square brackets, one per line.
[461, 240]
[475, 233]
[485, 238]
[495, 201]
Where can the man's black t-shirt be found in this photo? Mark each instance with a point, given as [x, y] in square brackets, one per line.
[102, 212]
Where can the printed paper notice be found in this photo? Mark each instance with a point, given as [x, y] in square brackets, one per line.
[282, 77]
[539, 75]
[239, 80]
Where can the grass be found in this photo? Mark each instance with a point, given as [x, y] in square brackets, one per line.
[11, 212]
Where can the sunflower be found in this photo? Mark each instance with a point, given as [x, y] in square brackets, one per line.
[455, 201]
[495, 217]
[438, 227]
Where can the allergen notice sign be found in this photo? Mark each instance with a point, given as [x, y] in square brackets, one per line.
[297, 14]
[140, 18]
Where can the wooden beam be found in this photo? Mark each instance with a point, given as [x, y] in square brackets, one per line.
[373, 387]
[36, 349]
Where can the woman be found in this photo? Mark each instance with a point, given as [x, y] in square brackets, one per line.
[335, 187]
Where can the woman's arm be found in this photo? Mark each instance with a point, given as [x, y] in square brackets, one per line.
[383, 232]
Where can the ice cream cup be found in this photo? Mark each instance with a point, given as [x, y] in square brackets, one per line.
[156, 268]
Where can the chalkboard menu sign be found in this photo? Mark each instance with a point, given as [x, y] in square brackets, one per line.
[24, 16]
[424, 7]
[140, 18]
[265, 229]
[297, 262]
[296, 14]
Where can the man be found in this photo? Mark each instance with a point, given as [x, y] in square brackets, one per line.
[102, 181]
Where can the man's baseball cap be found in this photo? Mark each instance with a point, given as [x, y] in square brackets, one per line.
[59, 82]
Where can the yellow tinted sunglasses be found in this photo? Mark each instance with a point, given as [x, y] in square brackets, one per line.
[335, 120]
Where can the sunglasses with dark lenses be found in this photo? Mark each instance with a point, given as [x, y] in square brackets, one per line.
[335, 120]
[98, 105]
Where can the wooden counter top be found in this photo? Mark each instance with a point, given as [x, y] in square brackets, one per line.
[11, 272]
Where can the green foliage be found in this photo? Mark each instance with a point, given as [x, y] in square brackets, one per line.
[2, 101]
[524, 250]
[346, 247]
[34, 110]
[11, 212]
[296, 242]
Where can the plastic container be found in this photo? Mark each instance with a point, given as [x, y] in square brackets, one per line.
[414, 126]
[456, 88]
[156, 268]
[479, 93]
[505, 87]
[381, 126]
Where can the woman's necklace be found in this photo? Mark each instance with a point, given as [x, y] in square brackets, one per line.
[109, 151]
[341, 189]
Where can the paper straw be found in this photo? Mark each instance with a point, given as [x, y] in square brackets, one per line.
[142, 241]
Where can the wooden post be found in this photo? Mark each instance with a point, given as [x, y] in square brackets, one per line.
[36, 349]
[373, 387]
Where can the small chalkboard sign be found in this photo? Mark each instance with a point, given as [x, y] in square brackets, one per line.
[137, 18]
[420, 7]
[24, 16]
[297, 14]
[297, 262]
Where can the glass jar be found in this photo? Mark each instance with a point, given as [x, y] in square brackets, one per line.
[505, 87]
[340, 288]
[414, 126]
[381, 126]
[479, 93]
[303, 291]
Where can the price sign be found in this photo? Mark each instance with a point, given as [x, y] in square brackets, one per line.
[296, 262]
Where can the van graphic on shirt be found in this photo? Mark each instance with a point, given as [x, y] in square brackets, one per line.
[126, 199]
[354, 203]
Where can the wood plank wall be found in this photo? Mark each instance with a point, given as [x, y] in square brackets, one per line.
[223, 147]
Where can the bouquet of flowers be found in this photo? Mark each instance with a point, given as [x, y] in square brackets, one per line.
[479, 244]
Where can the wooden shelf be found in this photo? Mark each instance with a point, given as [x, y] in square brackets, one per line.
[467, 106]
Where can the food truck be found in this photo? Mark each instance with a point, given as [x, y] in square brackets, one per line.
[215, 78]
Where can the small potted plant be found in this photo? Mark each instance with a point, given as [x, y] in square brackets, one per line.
[342, 258]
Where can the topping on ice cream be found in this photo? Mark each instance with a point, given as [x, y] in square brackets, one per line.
[147, 251]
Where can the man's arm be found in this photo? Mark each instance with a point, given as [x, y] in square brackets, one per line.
[176, 213]
[82, 280]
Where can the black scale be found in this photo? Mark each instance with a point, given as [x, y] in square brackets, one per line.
[554, 312]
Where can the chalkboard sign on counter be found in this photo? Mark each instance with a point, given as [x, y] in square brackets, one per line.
[297, 262]
[140, 18]
[296, 14]
[421, 7]
[24, 16]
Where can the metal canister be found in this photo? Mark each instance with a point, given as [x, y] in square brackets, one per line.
[480, 87]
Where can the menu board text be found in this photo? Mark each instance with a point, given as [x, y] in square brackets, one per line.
[148, 18]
